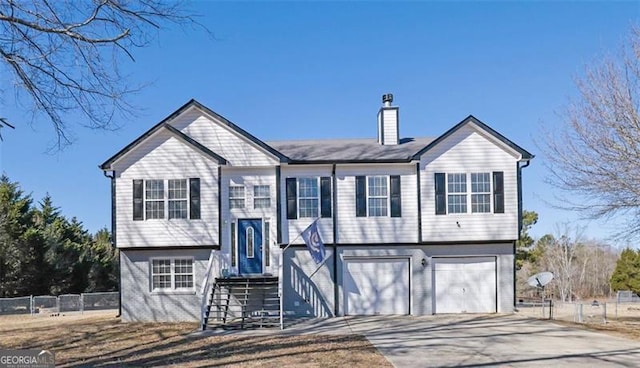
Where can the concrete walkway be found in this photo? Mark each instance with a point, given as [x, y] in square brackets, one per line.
[474, 341]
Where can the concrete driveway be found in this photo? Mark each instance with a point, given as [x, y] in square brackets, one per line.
[472, 341]
[491, 341]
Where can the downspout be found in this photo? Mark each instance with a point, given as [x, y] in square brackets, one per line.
[336, 296]
[419, 195]
[219, 184]
[113, 235]
[278, 206]
[519, 178]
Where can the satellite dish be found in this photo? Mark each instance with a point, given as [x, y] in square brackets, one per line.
[539, 280]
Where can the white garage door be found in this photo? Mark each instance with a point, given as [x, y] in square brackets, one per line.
[376, 286]
[464, 285]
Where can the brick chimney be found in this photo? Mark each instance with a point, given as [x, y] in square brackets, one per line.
[388, 130]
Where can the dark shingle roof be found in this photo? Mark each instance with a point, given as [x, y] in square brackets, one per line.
[349, 150]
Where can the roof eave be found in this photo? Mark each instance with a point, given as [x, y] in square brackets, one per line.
[356, 161]
[524, 154]
[282, 158]
[106, 166]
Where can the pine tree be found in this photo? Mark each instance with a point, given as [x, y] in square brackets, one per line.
[15, 218]
[626, 275]
[524, 244]
[103, 273]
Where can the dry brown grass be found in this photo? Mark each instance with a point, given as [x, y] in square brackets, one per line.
[622, 319]
[623, 327]
[101, 340]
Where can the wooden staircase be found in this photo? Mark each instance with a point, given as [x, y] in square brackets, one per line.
[243, 303]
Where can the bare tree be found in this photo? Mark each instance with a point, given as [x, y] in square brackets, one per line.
[581, 267]
[596, 153]
[64, 55]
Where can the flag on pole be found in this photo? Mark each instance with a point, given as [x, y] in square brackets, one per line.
[314, 242]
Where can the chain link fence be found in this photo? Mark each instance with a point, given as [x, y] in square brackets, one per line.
[625, 307]
[15, 305]
[63, 303]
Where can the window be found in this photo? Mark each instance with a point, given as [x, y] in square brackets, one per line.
[154, 199]
[480, 192]
[267, 252]
[183, 272]
[236, 196]
[250, 236]
[261, 196]
[172, 274]
[172, 199]
[378, 196]
[457, 189]
[178, 199]
[233, 244]
[451, 195]
[161, 274]
[308, 194]
[308, 197]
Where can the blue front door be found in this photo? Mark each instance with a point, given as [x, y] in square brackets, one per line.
[250, 246]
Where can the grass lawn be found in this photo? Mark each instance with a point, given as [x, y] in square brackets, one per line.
[102, 340]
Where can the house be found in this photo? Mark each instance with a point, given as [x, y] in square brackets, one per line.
[412, 226]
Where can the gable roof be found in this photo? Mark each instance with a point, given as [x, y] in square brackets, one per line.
[526, 156]
[349, 150]
[165, 123]
[319, 151]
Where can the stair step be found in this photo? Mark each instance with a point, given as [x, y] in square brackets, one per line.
[240, 302]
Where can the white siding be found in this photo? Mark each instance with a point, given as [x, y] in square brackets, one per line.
[219, 138]
[352, 229]
[165, 157]
[249, 178]
[390, 126]
[291, 229]
[468, 151]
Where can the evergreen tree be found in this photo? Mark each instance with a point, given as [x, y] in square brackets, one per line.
[103, 273]
[42, 252]
[525, 243]
[15, 219]
[626, 275]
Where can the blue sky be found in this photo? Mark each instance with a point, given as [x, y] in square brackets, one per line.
[287, 70]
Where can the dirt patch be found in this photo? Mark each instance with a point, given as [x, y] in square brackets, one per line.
[102, 340]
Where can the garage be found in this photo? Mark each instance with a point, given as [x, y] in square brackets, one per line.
[464, 285]
[376, 286]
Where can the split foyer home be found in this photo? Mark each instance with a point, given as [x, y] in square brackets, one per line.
[207, 217]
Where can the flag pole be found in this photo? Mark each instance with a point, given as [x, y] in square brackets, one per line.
[281, 273]
[319, 267]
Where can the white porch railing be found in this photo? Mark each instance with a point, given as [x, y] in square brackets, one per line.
[204, 291]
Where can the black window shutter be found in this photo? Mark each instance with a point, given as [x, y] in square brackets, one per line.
[396, 201]
[138, 204]
[292, 198]
[361, 196]
[441, 195]
[194, 198]
[325, 196]
[498, 192]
